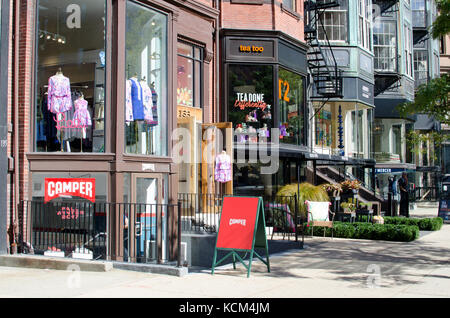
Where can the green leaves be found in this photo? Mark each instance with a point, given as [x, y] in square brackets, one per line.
[441, 26]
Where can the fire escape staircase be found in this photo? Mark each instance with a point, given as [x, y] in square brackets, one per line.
[326, 75]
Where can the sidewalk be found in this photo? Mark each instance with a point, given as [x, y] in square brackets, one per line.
[325, 268]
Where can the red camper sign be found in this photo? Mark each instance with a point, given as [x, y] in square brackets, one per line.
[79, 187]
[237, 223]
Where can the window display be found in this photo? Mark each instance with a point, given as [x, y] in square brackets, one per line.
[189, 75]
[250, 102]
[323, 121]
[292, 107]
[146, 81]
[70, 78]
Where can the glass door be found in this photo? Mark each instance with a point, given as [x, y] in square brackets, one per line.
[149, 216]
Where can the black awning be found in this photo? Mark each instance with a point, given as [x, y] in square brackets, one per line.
[425, 122]
[386, 108]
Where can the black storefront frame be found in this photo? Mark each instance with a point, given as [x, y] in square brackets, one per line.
[276, 64]
[278, 39]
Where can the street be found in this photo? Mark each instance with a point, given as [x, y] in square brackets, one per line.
[325, 268]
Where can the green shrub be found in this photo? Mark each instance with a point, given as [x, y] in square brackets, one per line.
[426, 224]
[368, 231]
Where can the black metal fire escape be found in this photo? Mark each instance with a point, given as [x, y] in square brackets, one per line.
[326, 75]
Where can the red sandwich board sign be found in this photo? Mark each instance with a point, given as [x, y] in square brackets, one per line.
[242, 228]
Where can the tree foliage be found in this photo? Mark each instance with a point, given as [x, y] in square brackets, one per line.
[441, 26]
[431, 99]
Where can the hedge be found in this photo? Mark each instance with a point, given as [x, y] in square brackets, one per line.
[425, 224]
[369, 231]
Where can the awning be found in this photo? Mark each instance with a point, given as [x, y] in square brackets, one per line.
[386, 108]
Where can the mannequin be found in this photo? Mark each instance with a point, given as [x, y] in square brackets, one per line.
[222, 173]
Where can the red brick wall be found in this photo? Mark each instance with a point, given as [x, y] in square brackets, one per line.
[263, 17]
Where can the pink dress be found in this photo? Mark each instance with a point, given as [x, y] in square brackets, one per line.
[222, 171]
[128, 103]
[81, 115]
[59, 96]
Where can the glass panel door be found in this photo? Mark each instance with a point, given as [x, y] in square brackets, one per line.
[149, 218]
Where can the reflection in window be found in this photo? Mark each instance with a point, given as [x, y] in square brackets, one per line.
[146, 81]
[250, 96]
[189, 75]
[70, 76]
[291, 101]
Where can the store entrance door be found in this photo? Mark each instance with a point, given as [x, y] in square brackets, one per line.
[149, 218]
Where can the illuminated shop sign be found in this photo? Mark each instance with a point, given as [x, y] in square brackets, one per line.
[251, 48]
[250, 100]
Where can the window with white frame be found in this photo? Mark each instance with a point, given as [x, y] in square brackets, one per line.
[334, 24]
[365, 24]
[420, 67]
[385, 45]
[408, 49]
[418, 13]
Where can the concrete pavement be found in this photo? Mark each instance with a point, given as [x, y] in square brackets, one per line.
[325, 268]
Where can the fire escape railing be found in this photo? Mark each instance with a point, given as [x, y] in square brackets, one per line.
[326, 75]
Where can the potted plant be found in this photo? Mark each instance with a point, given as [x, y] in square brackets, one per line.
[333, 189]
[350, 185]
[348, 207]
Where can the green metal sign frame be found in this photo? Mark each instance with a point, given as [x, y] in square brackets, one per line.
[259, 241]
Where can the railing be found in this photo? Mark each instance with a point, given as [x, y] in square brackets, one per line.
[200, 212]
[426, 194]
[129, 232]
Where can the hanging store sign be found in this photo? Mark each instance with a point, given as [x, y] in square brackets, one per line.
[250, 49]
[60, 187]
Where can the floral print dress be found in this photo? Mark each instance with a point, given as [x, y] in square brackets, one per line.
[59, 96]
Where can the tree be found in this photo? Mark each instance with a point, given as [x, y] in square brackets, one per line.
[441, 26]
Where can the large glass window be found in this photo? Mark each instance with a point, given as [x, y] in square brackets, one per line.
[365, 23]
[418, 13]
[324, 127]
[384, 45]
[70, 78]
[420, 67]
[291, 97]
[146, 81]
[189, 75]
[335, 23]
[250, 102]
[408, 50]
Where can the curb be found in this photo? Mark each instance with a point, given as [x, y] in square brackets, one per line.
[152, 268]
[46, 262]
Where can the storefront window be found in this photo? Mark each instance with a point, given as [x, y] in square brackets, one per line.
[70, 78]
[324, 131]
[189, 75]
[250, 102]
[292, 107]
[146, 81]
